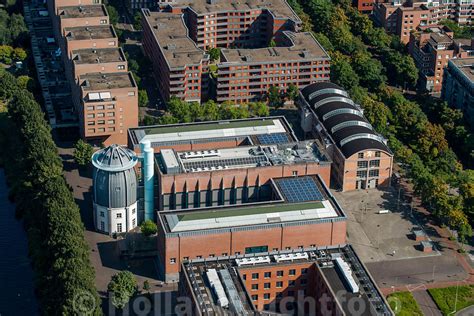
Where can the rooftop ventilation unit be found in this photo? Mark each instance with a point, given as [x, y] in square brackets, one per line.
[347, 273]
[252, 261]
[216, 285]
[291, 257]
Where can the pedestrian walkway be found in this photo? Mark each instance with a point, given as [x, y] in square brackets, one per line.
[426, 303]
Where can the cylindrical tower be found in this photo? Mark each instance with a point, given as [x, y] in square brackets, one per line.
[115, 190]
[148, 171]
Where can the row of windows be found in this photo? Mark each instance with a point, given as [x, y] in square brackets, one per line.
[101, 130]
[369, 154]
[101, 114]
[279, 284]
[100, 122]
[279, 273]
[119, 226]
[363, 173]
[101, 107]
[279, 295]
[372, 163]
[238, 253]
[118, 215]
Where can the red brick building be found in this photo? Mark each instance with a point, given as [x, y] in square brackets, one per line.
[104, 94]
[318, 282]
[177, 38]
[361, 157]
[244, 75]
[401, 18]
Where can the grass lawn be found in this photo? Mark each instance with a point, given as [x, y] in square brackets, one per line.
[207, 126]
[403, 304]
[446, 297]
[277, 208]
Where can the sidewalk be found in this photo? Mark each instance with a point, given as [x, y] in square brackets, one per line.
[426, 303]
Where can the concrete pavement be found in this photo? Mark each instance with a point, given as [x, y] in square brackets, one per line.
[426, 303]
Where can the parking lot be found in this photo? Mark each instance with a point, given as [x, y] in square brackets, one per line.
[381, 237]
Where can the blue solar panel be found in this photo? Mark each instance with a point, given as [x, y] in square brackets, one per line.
[279, 138]
[299, 189]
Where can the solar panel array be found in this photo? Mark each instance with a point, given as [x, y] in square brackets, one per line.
[224, 162]
[299, 189]
[277, 138]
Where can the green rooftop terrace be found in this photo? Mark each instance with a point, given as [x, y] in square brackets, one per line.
[250, 210]
[205, 127]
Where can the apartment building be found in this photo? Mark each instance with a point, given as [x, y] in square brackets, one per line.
[432, 48]
[361, 157]
[219, 23]
[54, 5]
[458, 86]
[180, 67]
[176, 39]
[90, 60]
[107, 106]
[401, 18]
[245, 75]
[83, 37]
[325, 281]
[75, 16]
[364, 6]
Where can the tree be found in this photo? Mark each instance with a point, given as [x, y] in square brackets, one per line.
[148, 228]
[83, 153]
[19, 54]
[369, 70]
[272, 43]
[113, 14]
[258, 109]
[292, 92]
[211, 111]
[123, 286]
[146, 286]
[274, 97]
[142, 98]
[26, 82]
[137, 21]
[214, 53]
[342, 72]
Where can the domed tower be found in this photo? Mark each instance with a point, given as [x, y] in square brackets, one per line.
[115, 189]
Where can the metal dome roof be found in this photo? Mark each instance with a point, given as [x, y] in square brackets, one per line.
[114, 159]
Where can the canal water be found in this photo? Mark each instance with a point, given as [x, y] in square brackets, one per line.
[16, 276]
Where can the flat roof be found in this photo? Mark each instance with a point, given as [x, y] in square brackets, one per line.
[279, 8]
[82, 11]
[172, 35]
[241, 157]
[466, 66]
[304, 46]
[322, 259]
[89, 32]
[160, 135]
[103, 81]
[278, 210]
[98, 55]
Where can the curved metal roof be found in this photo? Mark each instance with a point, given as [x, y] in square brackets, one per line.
[114, 158]
[331, 106]
[319, 88]
[342, 119]
[357, 145]
[349, 131]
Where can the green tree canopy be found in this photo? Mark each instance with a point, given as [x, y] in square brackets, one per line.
[148, 228]
[83, 153]
[123, 286]
[214, 53]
